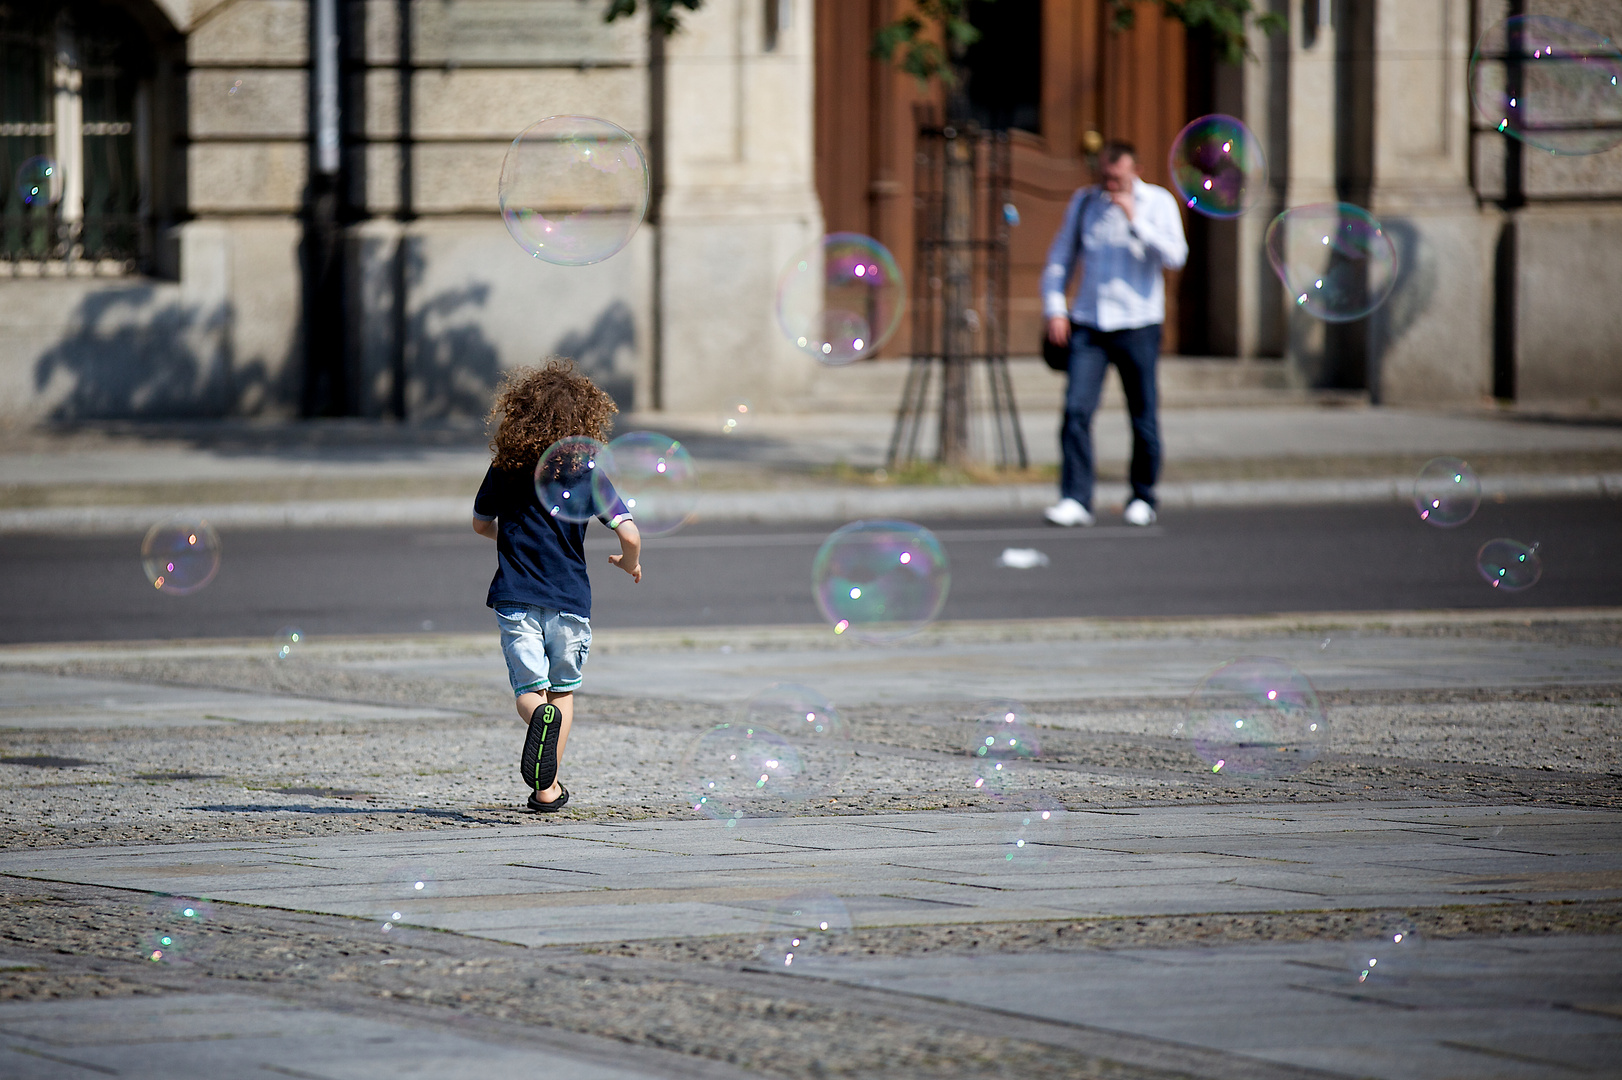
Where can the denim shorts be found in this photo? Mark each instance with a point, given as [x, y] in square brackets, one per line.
[545, 648]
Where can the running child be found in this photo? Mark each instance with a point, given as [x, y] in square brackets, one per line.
[541, 592]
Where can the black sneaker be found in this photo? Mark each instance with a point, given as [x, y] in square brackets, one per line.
[539, 764]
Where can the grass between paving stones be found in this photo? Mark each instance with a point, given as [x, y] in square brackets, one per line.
[780, 1033]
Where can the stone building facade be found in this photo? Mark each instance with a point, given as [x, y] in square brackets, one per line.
[288, 207]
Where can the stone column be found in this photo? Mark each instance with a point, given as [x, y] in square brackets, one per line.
[739, 201]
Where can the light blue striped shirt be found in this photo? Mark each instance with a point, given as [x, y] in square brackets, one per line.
[1122, 286]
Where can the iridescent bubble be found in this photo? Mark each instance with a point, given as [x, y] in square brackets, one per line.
[841, 298]
[787, 747]
[564, 478]
[1255, 716]
[1334, 258]
[1389, 957]
[801, 927]
[180, 555]
[1218, 167]
[173, 932]
[1550, 83]
[1509, 565]
[573, 189]
[39, 182]
[1446, 492]
[655, 477]
[737, 416]
[288, 640]
[1031, 835]
[880, 580]
[1001, 745]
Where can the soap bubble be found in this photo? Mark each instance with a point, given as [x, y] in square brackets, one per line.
[788, 746]
[173, 930]
[288, 640]
[654, 476]
[737, 416]
[1550, 83]
[801, 927]
[564, 478]
[1334, 258]
[1255, 716]
[573, 189]
[841, 298]
[1446, 492]
[1030, 836]
[1509, 565]
[880, 580]
[1218, 167]
[39, 182]
[180, 555]
[1389, 957]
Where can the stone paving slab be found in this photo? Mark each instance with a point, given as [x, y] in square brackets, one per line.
[1472, 1008]
[29, 700]
[583, 882]
[180, 1036]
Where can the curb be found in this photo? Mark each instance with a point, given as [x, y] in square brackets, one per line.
[798, 504]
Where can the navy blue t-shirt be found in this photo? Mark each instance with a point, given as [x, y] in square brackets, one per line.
[540, 559]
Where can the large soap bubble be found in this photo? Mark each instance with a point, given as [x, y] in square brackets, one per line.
[1446, 492]
[1550, 83]
[1256, 716]
[1218, 167]
[787, 747]
[180, 555]
[655, 477]
[565, 478]
[841, 298]
[880, 580]
[1334, 258]
[1509, 565]
[573, 189]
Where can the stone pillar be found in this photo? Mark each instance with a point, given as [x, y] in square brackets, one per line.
[739, 201]
[1432, 341]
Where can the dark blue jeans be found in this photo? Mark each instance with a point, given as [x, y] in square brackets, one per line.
[1133, 352]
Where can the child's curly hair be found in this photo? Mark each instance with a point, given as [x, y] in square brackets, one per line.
[537, 406]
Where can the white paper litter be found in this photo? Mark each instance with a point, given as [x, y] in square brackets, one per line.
[1022, 558]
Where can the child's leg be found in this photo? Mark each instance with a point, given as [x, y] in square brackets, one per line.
[564, 703]
[528, 703]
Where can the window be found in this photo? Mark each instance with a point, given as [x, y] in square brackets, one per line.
[74, 120]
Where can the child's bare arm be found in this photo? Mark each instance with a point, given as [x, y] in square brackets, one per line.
[486, 529]
[630, 557]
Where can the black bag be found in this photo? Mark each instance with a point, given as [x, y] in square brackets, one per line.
[1054, 356]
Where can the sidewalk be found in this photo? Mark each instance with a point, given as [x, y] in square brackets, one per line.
[775, 468]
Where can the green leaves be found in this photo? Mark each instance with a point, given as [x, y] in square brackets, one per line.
[907, 44]
[1225, 20]
[665, 17]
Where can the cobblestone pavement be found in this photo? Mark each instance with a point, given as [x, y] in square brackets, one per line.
[198, 746]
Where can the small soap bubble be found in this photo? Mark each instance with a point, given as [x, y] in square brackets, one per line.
[173, 930]
[654, 476]
[564, 478]
[841, 298]
[801, 927]
[1010, 214]
[1509, 565]
[39, 182]
[1389, 957]
[235, 89]
[1255, 716]
[1446, 492]
[573, 189]
[787, 746]
[288, 641]
[737, 416]
[1334, 258]
[1550, 83]
[880, 580]
[1218, 167]
[180, 555]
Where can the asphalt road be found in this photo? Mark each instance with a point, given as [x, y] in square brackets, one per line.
[1209, 562]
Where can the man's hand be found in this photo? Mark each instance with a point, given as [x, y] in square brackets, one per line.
[1125, 201]
[630, 557]
[1059, 330]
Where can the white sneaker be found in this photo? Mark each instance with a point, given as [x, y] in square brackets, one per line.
[1069, 513]
[1139, 512]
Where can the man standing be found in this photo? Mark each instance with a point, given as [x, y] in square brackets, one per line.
[1124, 233]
